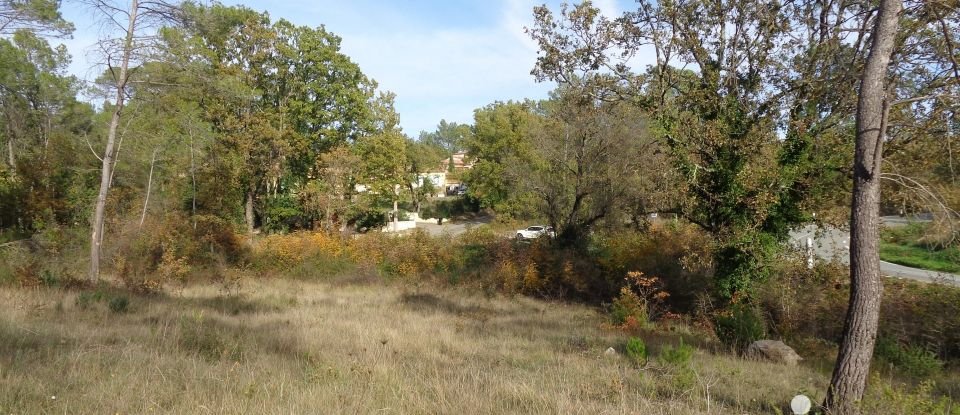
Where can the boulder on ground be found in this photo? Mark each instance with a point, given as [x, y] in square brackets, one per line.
[773, 350]
[610, 352]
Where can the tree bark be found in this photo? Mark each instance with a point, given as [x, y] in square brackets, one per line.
[396, 212]
[193, 184]
[146, 200]
[10, 158]
[860, 327]
[248, 214]
[107, 165]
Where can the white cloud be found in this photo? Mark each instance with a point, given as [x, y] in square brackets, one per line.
[446, 74]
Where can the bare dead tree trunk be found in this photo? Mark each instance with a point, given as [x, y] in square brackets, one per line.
[396, 212]
[107, 166]
[146, 200]
[248, 214]
[10, 159]
[860, 327]
[193, 184]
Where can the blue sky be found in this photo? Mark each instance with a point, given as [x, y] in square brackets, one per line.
[443, 59]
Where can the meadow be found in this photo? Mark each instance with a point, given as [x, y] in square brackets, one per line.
[312, 323]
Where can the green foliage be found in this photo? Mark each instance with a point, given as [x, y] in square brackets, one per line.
[368, 219]
[116, 302]
[39, 132]
[629, 310]
[753, 151]
[449, 207]
[119, 304]
[499, 140]
[449, 137]
[741, 325]
[884, 397]
[87, 299]
[39, 16]
[943, 260]
[913, 360]
[679, 356]
[919, 245]
[281, 214]
[637, 350]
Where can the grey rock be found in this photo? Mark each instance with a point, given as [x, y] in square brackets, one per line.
[774, 351]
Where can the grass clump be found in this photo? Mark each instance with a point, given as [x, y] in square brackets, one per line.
[115, 301]
[679, 356]
[119, 304]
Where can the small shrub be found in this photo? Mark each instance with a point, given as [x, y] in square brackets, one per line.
[740, 326]
[87, 299]
[48, 278]
[677, 356]
[637, 350]
[913, 360]
[883, 397]
[119, 304]
[628, 310]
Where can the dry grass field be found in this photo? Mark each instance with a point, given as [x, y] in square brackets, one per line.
[283, 346]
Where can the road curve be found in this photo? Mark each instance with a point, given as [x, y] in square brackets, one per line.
[834, 244]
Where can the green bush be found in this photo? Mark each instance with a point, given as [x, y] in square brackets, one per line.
[637, 350]
[739, 327]
[87, 299]
[679, 356]
[883, 397]
[119, 304]
[628, 310]
[910, 359]
[367, 219]
[282, 214]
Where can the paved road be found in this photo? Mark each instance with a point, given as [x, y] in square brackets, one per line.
[452, 228]
[832, 243]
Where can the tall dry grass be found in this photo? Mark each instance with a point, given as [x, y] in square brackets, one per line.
[290, 346]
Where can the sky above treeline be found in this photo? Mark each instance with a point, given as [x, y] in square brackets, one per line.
[443, 58]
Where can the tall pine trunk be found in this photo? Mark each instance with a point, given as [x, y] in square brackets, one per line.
[107, 165]
[866, 287]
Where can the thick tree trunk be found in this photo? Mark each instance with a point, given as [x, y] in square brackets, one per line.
[96, 238]
[860, 327]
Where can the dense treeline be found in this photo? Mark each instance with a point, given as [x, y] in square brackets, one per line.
[229, 117]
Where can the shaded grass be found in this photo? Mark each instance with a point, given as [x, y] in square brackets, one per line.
[352, 345]
[300, 347]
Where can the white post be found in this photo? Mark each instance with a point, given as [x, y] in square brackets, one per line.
[809, 253]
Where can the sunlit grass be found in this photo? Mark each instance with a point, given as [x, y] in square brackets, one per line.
[289, 346]
[944, 260]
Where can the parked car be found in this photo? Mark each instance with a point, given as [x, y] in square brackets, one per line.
[534, 232]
